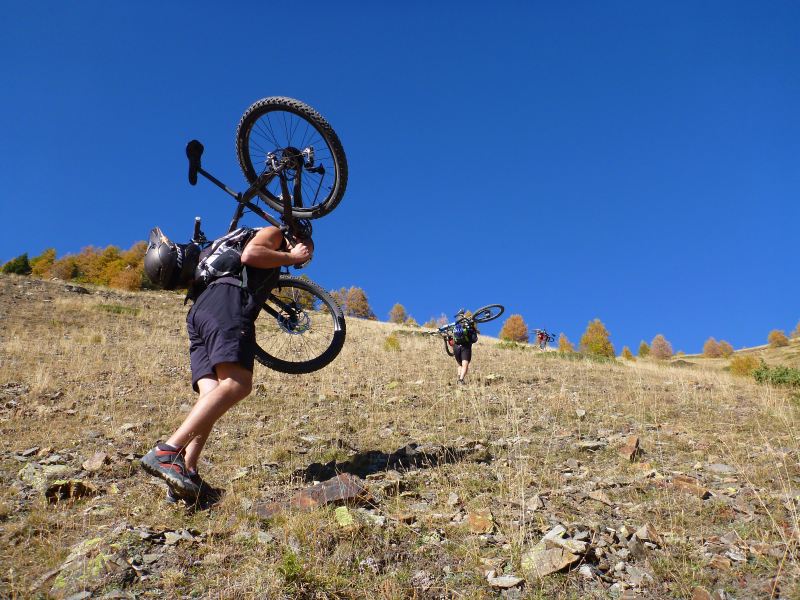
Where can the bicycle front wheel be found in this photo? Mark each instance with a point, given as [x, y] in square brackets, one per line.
[293, 131]
[301, 329]
[487, 313]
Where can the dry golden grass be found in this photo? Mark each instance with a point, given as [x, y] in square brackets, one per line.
[109, 372]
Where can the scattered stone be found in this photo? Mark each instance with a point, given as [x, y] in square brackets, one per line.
[648, 533]
[126, 427]
[422, 580]
[534, 503]
[29, 451]
[481, 521]
[630, 451]
[492, 378]
[504, 581]
[39, 477]
[720, 563]
[453, 500]
[701, 593]
[75, 289]
[96, 462]
[601, 497]
[546, 557]
[591, 445]
[721, 469]
[690, 485]
[637, 548]
[580, 413]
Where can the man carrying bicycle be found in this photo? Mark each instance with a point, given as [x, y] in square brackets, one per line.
[464, 335]
[221, 327]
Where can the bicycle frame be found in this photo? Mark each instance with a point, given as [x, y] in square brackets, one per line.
[194, 152]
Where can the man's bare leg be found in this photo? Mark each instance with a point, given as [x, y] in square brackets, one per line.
[462, 370]
[233, 384]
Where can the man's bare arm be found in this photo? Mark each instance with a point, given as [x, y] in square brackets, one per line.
[263, 251]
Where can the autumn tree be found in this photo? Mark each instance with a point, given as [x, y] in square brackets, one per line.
[777, 338]
[410, 322]
[644, 350]
[627, 354]
[564, 345]
[397, 314]
[660, 348]
[431, 323]
[596, 340]
[711, 349]
[514, 330]
[41, 265]
[725, 348]
[796, 331]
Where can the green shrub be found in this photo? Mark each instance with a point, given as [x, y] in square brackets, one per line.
[778, 375]
[19, 265]
[511, 345]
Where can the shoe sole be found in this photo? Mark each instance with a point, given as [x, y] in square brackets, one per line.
[178, 485]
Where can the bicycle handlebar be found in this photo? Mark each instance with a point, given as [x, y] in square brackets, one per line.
[194, 150]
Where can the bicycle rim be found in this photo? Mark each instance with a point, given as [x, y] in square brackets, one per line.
[301, 329]
[286, 128]
[488, 313]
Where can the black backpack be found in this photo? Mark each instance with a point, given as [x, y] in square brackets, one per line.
[223, 258]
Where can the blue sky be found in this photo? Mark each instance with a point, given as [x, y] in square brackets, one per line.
[628, 161]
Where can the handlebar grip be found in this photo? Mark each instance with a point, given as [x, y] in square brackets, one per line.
[196, 235]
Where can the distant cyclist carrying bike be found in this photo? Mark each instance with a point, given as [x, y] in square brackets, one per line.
[465, 334]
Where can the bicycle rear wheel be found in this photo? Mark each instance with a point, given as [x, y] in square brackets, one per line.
[487, 313]
[301, 329]
[290, 129]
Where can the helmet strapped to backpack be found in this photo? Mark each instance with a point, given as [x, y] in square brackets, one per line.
[167, 264]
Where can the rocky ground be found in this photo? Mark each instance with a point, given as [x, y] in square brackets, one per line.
[545, 477]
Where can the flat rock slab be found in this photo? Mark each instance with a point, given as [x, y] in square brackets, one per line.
[542, 561]
[344, 488]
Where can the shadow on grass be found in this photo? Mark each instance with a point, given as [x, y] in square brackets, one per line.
[370, 462]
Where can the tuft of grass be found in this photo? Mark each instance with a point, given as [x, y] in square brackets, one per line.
[120, 309]
[391, 343]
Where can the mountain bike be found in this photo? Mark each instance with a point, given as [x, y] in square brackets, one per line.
[543, 338]
[482, 315]
[295, 164]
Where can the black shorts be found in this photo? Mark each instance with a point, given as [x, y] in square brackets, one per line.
[219, 332]
[462, 353]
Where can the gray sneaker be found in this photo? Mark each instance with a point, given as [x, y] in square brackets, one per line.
[168, 464]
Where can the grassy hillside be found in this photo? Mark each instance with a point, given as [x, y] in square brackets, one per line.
[649, 481]
[788, 356]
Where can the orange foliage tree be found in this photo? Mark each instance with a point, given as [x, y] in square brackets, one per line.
[514, 330]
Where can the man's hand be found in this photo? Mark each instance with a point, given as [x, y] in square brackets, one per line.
[302, 252]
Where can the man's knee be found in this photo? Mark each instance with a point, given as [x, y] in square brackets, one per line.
[236, 381]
